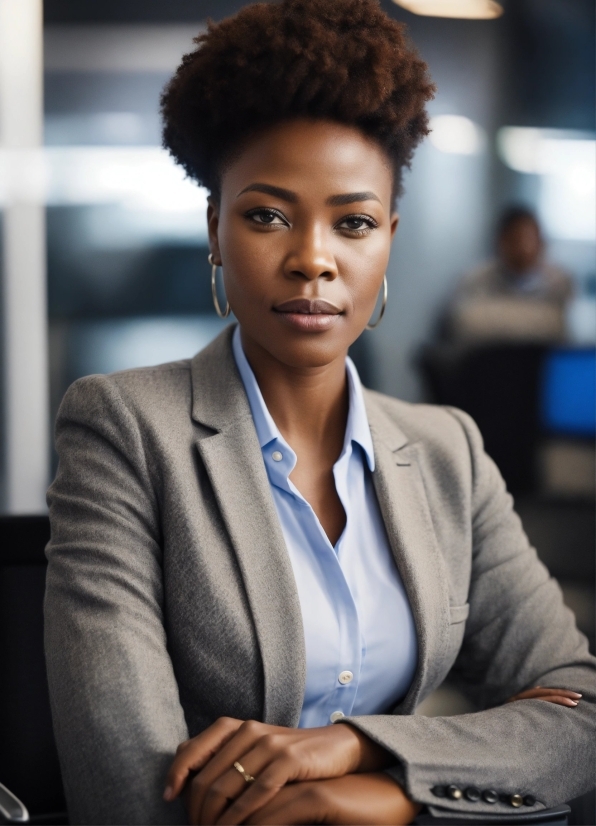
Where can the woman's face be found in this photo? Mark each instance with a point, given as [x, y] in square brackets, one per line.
[303, 231]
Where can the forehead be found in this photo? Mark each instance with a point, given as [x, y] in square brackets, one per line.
[314, 158]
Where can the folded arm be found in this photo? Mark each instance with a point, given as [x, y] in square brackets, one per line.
[519, 634]
[117, 715]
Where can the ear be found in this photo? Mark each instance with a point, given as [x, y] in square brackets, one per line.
[212, 227]
[394, 223]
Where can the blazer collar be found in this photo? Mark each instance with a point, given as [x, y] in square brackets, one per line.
[384, 429]
[218, 396]
[401, 494]
[232, 457]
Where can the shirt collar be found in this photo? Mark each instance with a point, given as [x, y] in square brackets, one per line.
[357, 428]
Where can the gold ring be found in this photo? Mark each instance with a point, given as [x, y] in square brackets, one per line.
[240, 768]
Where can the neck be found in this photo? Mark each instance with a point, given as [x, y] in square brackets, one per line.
[309, 405]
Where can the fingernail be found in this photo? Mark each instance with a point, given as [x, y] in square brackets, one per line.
[168, 793]
[577, 694]
[574, 702]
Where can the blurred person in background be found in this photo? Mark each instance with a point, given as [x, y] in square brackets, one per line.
[258, 568]
[518, 296]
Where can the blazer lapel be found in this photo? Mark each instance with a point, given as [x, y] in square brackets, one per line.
[230, 451]
[404, 506]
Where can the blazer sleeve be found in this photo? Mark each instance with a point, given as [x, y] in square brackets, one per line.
[114, 697]
[519, 634]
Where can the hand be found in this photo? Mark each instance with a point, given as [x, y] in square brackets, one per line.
[361, 798]
[274, 755]
[560, 696]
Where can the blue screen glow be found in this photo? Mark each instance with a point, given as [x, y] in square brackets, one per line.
[569, 392]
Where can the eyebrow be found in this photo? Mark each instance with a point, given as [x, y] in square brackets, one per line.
[292, 198]
[352, 198]
[268, 189]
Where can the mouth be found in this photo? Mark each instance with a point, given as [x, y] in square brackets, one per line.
[306, 306]
[310, 315]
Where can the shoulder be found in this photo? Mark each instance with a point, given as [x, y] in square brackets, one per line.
[431, 424]
[445, 441]
[140, 393]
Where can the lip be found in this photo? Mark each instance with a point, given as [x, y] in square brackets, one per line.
[309, 315]
[308, 306]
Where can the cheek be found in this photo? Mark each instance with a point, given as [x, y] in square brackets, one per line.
[248, 261]
[363, 269]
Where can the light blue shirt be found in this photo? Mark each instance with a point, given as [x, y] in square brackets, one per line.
[359, 633]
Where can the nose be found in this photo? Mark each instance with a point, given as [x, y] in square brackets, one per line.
[311, 256]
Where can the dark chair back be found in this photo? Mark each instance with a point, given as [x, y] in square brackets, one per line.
[28, 759]
[499, 386]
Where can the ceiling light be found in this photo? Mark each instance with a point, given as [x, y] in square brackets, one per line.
[565, 162]
[470, 9]
[456, 135]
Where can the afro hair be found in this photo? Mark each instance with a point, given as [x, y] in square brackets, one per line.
[342, 61]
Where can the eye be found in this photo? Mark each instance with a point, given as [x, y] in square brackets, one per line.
[358, 224]
[267, 217]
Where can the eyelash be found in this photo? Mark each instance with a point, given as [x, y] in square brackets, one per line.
[264, 211]
[370, 222]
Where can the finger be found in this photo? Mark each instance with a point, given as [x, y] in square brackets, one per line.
[300, 803]
[559, 700]
[225, 790]
[540, 693]
[270, 762]
[270, 780]
[564, 692]
[193, 754]
[221, 763]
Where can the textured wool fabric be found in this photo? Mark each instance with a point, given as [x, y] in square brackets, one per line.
[171, 599]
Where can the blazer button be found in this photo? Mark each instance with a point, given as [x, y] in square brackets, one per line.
[439, 791]
[516, 800]
[454, 792]
[490, 796]
[472, 794]
[529, 800]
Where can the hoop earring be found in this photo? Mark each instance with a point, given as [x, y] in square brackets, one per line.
[383, 305]
[218, 309]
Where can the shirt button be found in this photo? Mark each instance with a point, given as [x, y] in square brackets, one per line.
[516, 800]
[277, 456]
[337, 715]
[454, 792]
[345, 677]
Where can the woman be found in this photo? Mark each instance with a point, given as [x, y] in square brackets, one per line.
[247, 547]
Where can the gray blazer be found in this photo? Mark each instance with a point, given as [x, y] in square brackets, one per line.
[171, 600]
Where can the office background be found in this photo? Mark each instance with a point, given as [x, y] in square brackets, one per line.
[103, 265]
[104, 256]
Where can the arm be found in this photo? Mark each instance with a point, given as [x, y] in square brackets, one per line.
[295, 773]
[115, 705]
[363, 799]
[519, 634]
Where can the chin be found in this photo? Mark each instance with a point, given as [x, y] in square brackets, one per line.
[308, 352]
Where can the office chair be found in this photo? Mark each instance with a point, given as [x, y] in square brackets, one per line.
[498, 385]
[29, 765]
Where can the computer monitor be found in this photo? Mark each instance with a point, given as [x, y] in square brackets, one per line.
[568, 392]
